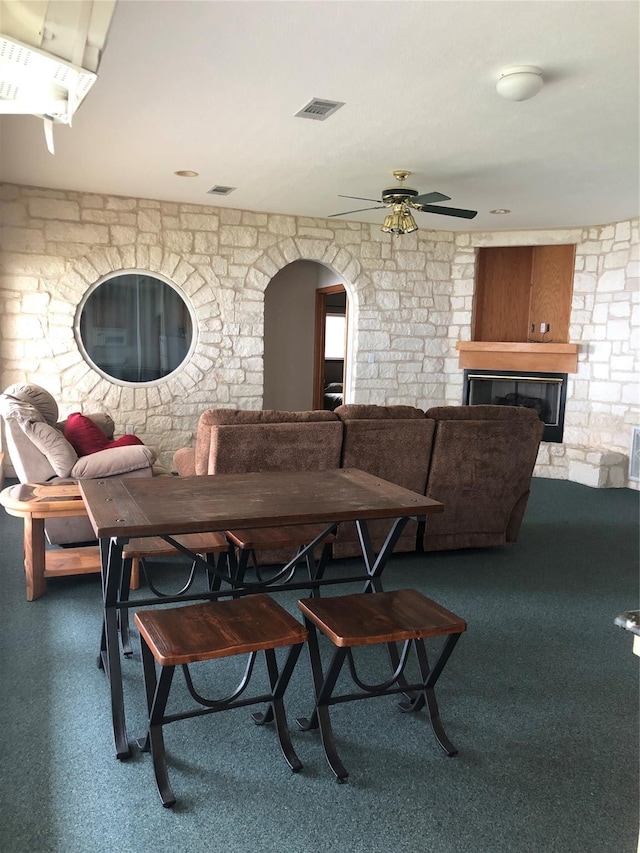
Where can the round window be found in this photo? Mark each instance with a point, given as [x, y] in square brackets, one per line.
[134, 327]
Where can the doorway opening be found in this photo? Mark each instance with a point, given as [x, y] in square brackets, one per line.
[330, 347]
[291, 362]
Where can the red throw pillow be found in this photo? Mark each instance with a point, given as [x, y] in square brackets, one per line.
[124, 441]
[84, 435]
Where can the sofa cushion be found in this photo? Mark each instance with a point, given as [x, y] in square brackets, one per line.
[481, 467]
[52, 444]
[397, 449]
[114, 462]
[357, 411]
[33, 395]
[275, 447]
[207, 457]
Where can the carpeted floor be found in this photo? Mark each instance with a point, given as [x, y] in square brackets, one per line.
[540, 697]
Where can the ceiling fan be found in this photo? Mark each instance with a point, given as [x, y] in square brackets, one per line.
[401, 199]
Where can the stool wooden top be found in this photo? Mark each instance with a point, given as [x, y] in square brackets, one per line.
[380, 617]
[155, 546]
[216, 629]
[278, 537]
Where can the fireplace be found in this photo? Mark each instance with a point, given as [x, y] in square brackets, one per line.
[544, 392]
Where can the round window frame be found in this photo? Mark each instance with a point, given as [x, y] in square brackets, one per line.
[149, 383]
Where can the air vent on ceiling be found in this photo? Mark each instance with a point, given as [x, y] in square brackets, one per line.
[319, 109]
[219, 190]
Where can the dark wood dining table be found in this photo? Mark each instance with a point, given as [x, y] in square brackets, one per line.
[121, 509]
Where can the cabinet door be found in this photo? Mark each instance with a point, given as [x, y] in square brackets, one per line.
[551, 293]
[502, 295]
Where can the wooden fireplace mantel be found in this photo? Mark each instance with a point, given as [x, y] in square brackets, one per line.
[514, 355]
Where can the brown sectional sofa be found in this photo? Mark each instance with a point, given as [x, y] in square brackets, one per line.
[477, 460]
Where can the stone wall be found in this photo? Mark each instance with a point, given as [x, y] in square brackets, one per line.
[410, 301]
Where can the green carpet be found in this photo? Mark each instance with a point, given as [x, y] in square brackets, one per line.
[540, 697]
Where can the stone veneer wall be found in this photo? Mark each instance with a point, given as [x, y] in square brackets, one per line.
[410, 301]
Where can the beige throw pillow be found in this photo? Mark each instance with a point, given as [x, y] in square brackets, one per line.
[50, 441]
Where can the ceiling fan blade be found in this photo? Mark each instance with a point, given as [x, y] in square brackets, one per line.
[360, 198]
[357, 211]
[429, 198]
[447, 211]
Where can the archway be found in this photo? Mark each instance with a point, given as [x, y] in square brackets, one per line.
[289, 334]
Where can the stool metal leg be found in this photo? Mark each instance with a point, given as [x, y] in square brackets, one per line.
[157, 691]
[429, 678]
[323, 688]
[418, 694]
[279, 682]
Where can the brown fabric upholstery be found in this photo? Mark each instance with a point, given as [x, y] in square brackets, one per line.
[356, 411]
[477, 460]
[197, 460]
[481, 467]
[233, 441]
[301, 446]
[392, 442]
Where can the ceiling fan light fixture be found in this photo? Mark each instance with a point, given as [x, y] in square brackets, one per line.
[520, 82]
[399, 222]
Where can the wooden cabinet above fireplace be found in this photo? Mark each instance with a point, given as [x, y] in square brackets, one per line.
[523, 293]
[522, 310]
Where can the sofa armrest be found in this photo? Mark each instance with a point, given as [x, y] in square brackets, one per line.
[113, 462]
[184, 461]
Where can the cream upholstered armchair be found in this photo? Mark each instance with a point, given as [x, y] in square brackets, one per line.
[40, 452]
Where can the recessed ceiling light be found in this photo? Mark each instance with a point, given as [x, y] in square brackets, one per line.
[500, 210]
[186, 173]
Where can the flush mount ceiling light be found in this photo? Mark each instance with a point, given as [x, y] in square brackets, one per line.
[520, 82]
[499, 211]
[400, 221]
[186, 173]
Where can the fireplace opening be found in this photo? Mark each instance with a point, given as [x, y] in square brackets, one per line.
[544, 392]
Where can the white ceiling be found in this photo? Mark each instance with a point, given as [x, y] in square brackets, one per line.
[214, 86]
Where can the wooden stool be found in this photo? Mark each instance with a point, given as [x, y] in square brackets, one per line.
[179, 636]
[368, 619]
[136, 551]
[247, 542]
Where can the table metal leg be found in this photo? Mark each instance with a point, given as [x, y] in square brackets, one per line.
[111, 553]
[375, 564]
